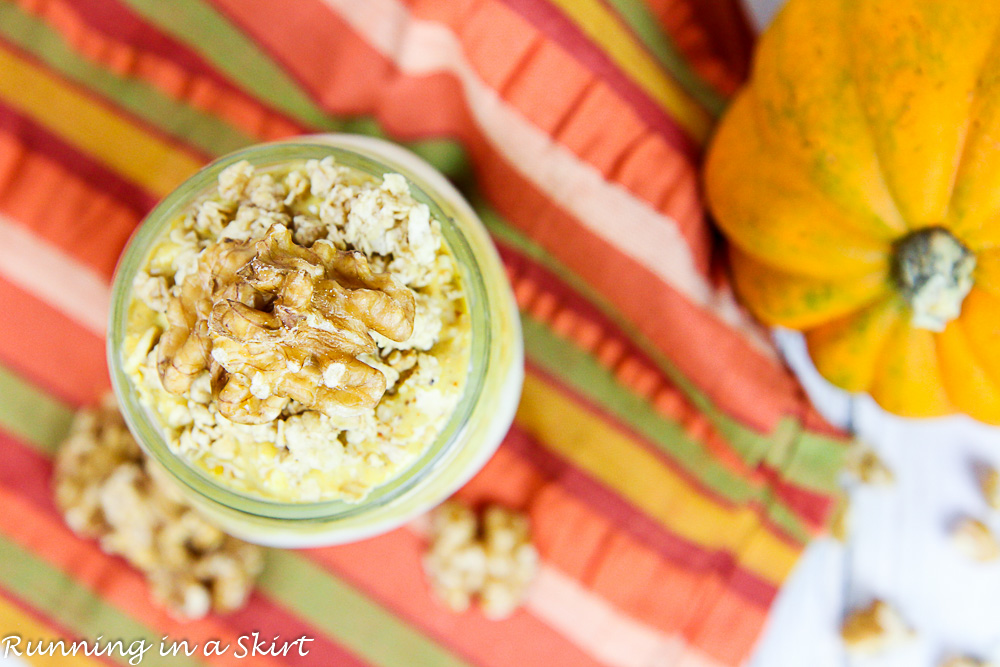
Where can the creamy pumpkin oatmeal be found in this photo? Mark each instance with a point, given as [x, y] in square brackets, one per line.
[301, 333]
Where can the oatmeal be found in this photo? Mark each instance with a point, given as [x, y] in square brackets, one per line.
[301, 333]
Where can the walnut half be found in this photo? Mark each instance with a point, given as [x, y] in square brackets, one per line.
[274, 321]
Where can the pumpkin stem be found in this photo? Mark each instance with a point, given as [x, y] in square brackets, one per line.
[933, 271]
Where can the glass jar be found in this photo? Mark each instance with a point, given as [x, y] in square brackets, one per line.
[472, 434]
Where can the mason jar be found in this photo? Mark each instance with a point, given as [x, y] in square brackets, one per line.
[473, 432]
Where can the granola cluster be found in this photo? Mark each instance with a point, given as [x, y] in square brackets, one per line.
[493, 562]
[301, 332]
[107, 489]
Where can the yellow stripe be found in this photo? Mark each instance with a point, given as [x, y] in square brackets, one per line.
[15, 622]
[621, 463]
[602, 27]
[122, 146]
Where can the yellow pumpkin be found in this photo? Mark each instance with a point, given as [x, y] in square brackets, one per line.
[857, 177]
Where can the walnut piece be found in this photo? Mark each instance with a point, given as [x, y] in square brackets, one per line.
[492, 561]
[107, 489]
[974, 539]
[989, 483]
[874, 629]
[840, 522]
[864, 464]
[273, 321]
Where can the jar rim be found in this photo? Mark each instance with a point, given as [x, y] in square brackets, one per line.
[149, 434]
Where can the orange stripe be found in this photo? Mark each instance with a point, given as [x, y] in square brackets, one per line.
[37, 348]
[605, 30]
[49, 539]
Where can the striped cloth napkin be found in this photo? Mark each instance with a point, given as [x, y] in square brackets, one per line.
[670, 465]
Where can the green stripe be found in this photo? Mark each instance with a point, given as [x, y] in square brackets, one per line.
[30, 414]
[358, 623]
[207, 32]
[73, 606]
[204, 132]
[818, 459]
[646, 27]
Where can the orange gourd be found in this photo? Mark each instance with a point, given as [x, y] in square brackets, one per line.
[857, 177]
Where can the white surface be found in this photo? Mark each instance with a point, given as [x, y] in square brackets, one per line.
[898, 548]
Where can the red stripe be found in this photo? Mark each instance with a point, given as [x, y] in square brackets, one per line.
[35, 137]
[557, 27]
[27, 473]
[147, 127]
[61, 631]
[644, 529]
[122, 25]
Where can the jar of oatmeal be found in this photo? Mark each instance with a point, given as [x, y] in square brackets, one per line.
[315, 339]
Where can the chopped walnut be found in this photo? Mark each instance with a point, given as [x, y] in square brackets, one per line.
[974, 539]
[493, 562]
[989, 483]
[864, 464]
[511, 561]
[107, 489]
[273, 321]
[874, 629]
[840, 522]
